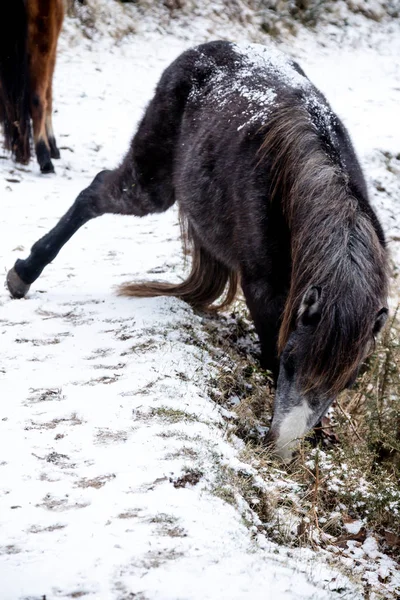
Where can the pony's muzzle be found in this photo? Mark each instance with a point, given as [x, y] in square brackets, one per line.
[17, 288]
[282, 451]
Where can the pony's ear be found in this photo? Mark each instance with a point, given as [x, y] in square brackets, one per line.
[380, 320]
[310, 307]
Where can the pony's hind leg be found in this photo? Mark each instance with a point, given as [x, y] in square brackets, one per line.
[109, 192]
[85, 207]
[143, 184]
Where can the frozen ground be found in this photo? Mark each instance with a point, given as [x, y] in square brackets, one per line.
[112, 453]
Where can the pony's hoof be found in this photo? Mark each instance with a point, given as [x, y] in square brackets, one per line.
[47, 168]
[17, 288]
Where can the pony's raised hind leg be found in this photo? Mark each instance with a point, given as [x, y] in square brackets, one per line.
[106, 194]
[85, 207]
[143, 184]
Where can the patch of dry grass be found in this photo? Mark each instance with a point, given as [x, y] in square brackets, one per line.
[350, 472]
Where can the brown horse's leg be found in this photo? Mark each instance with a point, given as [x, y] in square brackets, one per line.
[58, 19]
[15, 114]
[54, 151]
[38, 109]
[40, 33]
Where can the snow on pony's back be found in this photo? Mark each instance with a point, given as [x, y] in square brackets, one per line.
[249, 98]
[256, 57]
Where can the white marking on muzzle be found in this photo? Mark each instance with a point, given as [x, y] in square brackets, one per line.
[293, 427]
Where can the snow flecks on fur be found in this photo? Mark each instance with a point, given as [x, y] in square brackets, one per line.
[223, 91]
[251, 59]
[256, 57]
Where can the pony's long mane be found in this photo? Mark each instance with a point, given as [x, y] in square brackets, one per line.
[334, 245]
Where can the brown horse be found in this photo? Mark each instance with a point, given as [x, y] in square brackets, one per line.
[29, 31]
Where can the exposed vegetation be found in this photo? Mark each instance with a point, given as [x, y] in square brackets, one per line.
[347, 472]
[273, 17]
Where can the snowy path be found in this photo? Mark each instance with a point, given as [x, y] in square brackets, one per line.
[104, 404]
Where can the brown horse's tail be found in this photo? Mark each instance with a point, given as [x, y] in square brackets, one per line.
[207, 281]
[14, 80]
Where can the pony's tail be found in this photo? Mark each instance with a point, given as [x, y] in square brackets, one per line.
[14, 80]
[207, 281]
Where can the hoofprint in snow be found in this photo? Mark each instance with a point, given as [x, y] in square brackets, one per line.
[111, 450]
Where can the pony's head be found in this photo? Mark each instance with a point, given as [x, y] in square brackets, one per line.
[321, 357]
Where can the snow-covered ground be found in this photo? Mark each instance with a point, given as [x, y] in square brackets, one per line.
[112, 453]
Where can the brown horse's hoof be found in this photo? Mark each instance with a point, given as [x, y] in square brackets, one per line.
[17, 287]
[47, 168]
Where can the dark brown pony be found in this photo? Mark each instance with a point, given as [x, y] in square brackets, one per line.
[272, 195]
[29, 31]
